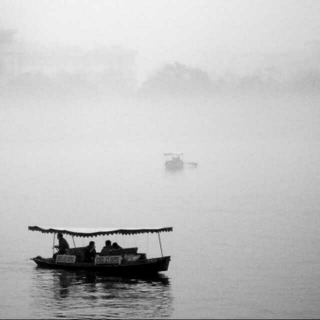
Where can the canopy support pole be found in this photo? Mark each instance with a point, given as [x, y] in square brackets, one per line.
[53, 244]
[74, 244]
[160, 243]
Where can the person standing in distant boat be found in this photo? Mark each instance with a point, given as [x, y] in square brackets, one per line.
[63, 245]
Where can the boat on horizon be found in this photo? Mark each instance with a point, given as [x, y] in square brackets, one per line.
[176, 162]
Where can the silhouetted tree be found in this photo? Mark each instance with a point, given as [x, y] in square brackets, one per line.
[177, 78]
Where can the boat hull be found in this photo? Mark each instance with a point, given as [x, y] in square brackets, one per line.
[145, 267]
[174, 165]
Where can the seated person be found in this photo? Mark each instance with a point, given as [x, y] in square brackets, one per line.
[115, 246]
[105, 250]
[62, 247]
[90, 252]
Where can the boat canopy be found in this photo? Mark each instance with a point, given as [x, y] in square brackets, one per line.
[94, 232]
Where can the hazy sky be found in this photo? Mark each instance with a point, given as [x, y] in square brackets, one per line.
[195, 32]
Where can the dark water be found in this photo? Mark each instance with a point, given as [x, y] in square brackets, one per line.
[83, 295]
[246, 220]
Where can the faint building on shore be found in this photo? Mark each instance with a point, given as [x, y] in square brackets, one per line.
[9, 55]
[112, 67]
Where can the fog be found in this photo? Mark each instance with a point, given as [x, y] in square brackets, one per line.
[103, 160]
[233, 37]
[93, 94]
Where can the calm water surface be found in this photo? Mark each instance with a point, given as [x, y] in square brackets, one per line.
[246, 220]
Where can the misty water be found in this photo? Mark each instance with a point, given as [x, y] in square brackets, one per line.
[245, 240]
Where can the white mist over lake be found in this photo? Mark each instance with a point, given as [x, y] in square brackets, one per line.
[80, 155]
[251, 205]
[93, 94]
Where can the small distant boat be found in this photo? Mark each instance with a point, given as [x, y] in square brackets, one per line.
[123, 262]
[176, 163]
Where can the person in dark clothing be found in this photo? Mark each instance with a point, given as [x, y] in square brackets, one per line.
[63, 245]
[116, 246]
[90, 252]
[105, 250]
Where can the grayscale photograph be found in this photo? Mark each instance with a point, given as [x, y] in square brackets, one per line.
[160, 159]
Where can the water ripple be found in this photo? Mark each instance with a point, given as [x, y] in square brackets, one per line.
[65, 294]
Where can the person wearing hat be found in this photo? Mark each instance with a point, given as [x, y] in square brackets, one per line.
[63, 245]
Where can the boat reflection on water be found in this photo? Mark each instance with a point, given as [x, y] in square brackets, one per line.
[83, 294]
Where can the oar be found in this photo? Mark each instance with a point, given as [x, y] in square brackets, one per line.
[192, 163]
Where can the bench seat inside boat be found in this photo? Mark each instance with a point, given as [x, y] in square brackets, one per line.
[129, 254]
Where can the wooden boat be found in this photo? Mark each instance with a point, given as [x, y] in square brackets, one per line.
[175, 163]
[124, 262]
